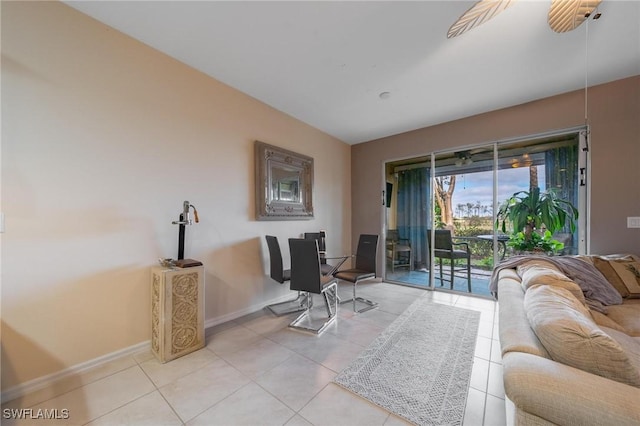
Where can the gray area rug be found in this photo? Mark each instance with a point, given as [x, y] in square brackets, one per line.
[419, 367]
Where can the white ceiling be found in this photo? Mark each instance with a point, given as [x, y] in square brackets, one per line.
[326, 62]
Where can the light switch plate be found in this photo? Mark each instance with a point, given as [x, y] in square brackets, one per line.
[633, 222]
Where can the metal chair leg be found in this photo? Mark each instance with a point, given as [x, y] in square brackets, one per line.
[453, 265]
[354, 297]
[327, 304]
[331, 316]
[298, 305]
[369, 303]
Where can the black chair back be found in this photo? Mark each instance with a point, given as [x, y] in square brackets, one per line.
[275, 256]
[366, 253]
[318, 236]
[443, 239]
[305, 265]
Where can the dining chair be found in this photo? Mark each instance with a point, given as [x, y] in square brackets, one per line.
[281, 275]
[320, 237]
[445, 248]
[306, 277]
[365, 268]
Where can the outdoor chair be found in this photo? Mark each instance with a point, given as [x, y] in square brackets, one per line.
[445, 248]
[398, 250]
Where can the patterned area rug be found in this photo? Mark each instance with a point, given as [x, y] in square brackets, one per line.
[419, 367]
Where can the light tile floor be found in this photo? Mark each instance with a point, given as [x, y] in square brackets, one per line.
[256, 371]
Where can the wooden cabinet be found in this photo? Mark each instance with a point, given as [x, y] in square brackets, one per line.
[177, 311]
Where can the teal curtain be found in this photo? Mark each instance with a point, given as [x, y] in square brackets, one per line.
[414, 212]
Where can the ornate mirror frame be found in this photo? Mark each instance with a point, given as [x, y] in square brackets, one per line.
[284, 184]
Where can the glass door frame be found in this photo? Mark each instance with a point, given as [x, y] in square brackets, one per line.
[584, 184]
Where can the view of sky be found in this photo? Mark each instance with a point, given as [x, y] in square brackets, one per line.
[477, 188]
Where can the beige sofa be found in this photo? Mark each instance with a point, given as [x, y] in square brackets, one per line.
[568, 360]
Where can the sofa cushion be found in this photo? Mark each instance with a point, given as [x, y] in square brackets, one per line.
[535, 262]
[627, 316]
[631, 345]
[569, 334]
[603, 320]
[594, 285]
[542, 274]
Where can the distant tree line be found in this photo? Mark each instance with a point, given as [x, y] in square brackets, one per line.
[474, 209]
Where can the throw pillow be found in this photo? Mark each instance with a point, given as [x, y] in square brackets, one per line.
[569, 334]
[610, 274]
[629, 273]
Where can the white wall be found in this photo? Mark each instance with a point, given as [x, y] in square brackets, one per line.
[103, 138]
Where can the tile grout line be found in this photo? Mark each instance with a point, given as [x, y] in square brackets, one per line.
[157, 389]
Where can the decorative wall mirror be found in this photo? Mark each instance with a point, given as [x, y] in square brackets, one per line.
[284, 184]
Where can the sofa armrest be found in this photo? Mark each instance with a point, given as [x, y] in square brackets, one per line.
[565, 395]
[516, 334]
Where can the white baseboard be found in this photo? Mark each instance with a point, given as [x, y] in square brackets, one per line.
[246, 311]
[50, 379]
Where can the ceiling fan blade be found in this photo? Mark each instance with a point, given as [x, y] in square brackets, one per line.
[567, 15]
[477, 14]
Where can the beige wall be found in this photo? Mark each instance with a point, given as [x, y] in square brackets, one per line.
[614, 111]
[103, 139]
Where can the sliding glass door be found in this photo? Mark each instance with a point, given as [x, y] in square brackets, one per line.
[457, 195]
[550, 166]
[463, 225]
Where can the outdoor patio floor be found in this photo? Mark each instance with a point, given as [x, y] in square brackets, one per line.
[479, 280]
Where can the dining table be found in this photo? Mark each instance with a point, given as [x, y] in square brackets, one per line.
[332, 267]
[501, 238]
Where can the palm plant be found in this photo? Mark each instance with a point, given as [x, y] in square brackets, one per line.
[528, 211]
